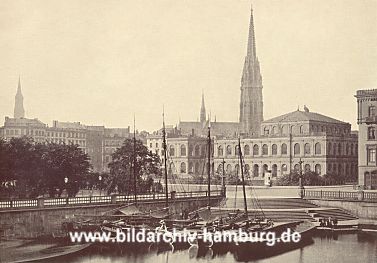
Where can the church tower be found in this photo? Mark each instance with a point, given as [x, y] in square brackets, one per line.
[203, 111]
[251, 102]
[19, 111]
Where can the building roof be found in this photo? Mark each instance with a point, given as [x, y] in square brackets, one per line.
[23, 122]
[297, 116]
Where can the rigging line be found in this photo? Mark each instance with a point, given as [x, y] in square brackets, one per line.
[255, 200]
[174, 178]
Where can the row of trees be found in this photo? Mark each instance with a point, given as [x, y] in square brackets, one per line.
[29, 169]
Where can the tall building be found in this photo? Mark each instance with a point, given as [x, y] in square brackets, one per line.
[251, 102]
[367, 121]
[19, 111]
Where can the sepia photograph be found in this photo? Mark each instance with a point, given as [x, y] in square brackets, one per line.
[156, 131]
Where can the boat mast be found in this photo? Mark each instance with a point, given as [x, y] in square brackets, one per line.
[134, 161]
[242, 177]
[165, 157]
[209, 164]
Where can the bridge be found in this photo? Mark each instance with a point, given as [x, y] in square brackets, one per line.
[44, 216]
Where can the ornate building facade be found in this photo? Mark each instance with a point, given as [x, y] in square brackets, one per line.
[323, 144]
[367, 121]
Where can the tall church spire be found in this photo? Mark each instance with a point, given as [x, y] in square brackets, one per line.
[251, 102]
[202, 111]
[19, 111]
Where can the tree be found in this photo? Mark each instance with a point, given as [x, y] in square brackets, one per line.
[29, 169]
[293, 179]
[64, 161]
[122, 171]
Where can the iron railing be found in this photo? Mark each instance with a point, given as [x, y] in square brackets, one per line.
[341, 195]
[97, 200]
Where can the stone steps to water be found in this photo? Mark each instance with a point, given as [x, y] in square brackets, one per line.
[270, 203]
[334, 213]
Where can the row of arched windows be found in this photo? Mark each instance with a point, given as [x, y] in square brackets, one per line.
[197, 150]
[301, 129]
[255, 172]
[274, 149]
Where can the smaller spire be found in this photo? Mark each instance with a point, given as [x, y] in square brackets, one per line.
[202, 110]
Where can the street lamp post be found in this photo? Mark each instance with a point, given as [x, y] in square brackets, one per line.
[223, 177]
[301, 180]
[66, 182]
[100, 185]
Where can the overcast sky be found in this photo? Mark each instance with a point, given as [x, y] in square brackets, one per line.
[98, 62]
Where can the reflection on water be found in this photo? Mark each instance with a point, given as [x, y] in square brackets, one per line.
[322, 247]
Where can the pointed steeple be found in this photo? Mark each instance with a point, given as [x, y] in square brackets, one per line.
[251, 50]
[19, 111]
[202, 111]
[251, 102]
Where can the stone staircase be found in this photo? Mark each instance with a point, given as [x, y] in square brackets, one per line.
[270, 203]
[288, 209]
[337, 213]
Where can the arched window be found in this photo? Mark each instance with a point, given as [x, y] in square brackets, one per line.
[237, 169]
[171, 150]
[284, 149]
[256, 149]
[274, 150]
[297, 168]
[236, 150]
[301, 129]
[296, 149]
[247, 150]
[204, 150]
[307, 168]
[220, 151]
[334, 149]
[228, 169]
[339, 149]
[256, 170]
[191, 168]
[274, 130]
[317, 148]
[265, 169]
[274, 170]
[266, 130]
[247, 170]
[284, 130]
[197, 168]
[220, 169]
[197, 150]
[347, 149]
[372, 111]
[171, 168]
[317, 169]
[229, 150]
[183, 150]
[183, 167]
[264, 149]
[284, 169]
[329, 148]
[307, 148]
[191, 150]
